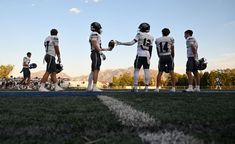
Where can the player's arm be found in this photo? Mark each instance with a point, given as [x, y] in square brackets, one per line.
[173, 51]
[194, 49]
[57, 51]
[157, 48]
[126, 43]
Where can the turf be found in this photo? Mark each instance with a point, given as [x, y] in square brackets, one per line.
[59, 120]
[84, 119]
[210, 117]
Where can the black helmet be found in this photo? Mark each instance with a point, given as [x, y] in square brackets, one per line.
[59, 68]
[202, 64]
[143, 27]
[95, 26]
[32, 66]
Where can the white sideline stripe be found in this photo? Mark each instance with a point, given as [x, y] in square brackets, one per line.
[174, 137]
[127, 115]
[132, 117]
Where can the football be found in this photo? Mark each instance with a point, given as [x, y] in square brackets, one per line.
[111, 44]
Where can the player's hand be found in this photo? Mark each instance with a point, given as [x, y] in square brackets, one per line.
[59, 60]
[117, 42]
[102, 55]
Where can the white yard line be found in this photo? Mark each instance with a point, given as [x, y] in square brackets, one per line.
[132, 117]
[126, 114]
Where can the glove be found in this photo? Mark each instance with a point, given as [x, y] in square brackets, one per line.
[59, 60]
[117, 42]
[102, 55]
[111, 44]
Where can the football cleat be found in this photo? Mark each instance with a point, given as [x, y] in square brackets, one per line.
[58, 88]
[43, 89]
[95, 89]
[172, 89]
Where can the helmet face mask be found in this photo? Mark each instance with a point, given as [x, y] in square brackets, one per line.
[95, 26]
[144, 27]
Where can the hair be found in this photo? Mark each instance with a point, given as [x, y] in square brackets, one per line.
[28, 53]
[54, 32]
[165, 32]
[190, 32]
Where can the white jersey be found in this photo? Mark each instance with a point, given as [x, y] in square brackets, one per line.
[164, 45]
[26, 60]
[50, 43]
[96, 36]
[189, 42]
[145, 41]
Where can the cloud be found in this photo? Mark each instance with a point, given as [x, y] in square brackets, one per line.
[94, 1]
[230, 24]
[75, 10]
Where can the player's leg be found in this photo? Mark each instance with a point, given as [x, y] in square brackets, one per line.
[197, 81]
[161, 67]
[28, 80]
[172, 73]
[49, 70]
[158, 82]
[137, 66]
[170, 65]
[96, 63]
[146, 66]
[90, 79]
[55, 82]
[189, 69]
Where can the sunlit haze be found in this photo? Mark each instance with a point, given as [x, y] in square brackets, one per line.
[26, 23]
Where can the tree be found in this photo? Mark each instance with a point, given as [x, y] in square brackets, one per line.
[5, 70]
[205, 79]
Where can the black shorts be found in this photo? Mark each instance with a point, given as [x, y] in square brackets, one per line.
[51, 64]
[165, 63]
[26, 72]
[191, 65]
[95, 61]
[141, 61]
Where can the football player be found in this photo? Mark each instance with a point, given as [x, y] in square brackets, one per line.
[51, 44]
[96, 55]
[144, 51]
[26, 71]
[166, 54]
[191, 66]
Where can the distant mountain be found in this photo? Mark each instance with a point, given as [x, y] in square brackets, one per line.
[107, 75]
[41, 73]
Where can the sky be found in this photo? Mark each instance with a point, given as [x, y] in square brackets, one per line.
[24, 25]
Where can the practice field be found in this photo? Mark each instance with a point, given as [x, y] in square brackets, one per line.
[117, 117]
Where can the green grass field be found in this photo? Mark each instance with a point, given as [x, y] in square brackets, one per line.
[59, 120]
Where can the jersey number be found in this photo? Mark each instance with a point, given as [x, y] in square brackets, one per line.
[146, 44]
[164, 48]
